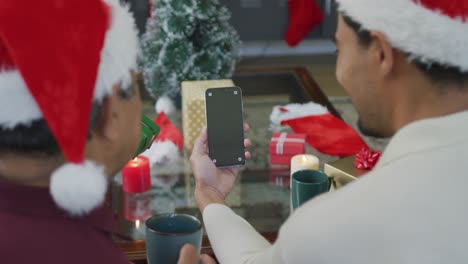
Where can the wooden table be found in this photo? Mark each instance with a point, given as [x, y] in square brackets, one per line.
[265, 211]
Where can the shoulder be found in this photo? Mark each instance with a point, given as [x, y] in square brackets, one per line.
[53, 241]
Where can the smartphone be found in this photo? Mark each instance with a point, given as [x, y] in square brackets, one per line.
[225, 124]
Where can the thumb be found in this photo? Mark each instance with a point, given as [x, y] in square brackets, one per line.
[207, 260]
[199, 146]
[188, 255]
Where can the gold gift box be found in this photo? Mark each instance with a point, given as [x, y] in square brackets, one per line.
[193, 107]
[343, 171]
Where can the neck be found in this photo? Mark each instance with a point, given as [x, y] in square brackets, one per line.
[31, 171]
[422, 104]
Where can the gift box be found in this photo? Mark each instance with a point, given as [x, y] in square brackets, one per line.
[193, 107]
[343, 171]
[283, 146]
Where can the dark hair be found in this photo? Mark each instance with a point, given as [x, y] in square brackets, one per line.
[438, 73]
[37, 139]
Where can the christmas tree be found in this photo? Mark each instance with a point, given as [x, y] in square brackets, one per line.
[187, 40]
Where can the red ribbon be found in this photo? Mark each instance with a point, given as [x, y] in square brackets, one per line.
[366, 159]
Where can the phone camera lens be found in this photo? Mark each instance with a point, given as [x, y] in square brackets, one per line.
[235, 92]
[210, 94]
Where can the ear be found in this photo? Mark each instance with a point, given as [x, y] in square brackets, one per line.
[107, 123]
[382, 53]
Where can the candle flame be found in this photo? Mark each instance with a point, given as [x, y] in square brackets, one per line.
[137, 224]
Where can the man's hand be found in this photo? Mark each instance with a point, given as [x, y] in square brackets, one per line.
[189, 255]
[212, 184]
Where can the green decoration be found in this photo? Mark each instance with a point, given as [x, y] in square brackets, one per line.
[187, 40]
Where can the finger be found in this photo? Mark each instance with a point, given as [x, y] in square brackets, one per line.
[199, 144]
[248, 155]
[188, 255]
[207, 260]
[204, 134]
[247, 143]
[246, 127]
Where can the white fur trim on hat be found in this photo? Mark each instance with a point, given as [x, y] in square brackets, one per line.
[162, 152]
[427, 35]
[118, 57]
[120, 52]
[296, 111]
[165, 105]
[78, 188]
[16, 101]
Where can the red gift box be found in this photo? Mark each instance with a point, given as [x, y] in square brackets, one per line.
[283, 146]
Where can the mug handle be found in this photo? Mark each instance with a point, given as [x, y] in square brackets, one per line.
[331, 180]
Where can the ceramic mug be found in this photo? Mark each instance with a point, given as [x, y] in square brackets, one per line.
[166, 234]
[306, 184]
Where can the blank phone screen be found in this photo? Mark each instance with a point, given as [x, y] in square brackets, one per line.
[225, 122]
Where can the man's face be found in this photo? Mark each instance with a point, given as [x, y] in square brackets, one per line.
[116, 138]
[130, 127]
[355, 72]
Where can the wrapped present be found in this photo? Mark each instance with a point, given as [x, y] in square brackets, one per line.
[193, 107]
[283, 146]
[343, 171]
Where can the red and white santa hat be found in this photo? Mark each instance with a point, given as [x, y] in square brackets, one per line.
[430, 30]
[166, 147]
[325, 132]
[56, 58]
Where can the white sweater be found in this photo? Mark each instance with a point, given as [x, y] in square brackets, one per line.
[412, 208]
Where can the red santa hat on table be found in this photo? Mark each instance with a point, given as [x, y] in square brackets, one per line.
[166, 147]
[430, 30]
[56, 58]
[325, 132]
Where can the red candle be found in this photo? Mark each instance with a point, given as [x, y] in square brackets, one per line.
[136, 175]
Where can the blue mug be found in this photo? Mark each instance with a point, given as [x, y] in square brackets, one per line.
[166, 234]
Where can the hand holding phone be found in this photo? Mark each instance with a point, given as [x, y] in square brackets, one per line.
[225, 124]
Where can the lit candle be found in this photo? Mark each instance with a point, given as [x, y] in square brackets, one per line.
[303, 162]
[136, 175]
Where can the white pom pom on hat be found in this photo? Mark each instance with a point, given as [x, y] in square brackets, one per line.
[58, 82]
[164, 105]
[77, 188]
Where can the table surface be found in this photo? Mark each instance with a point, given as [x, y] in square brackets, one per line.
[261, 195]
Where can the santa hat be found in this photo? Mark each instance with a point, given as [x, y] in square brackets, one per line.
[167, 145]
[56, 58]
[325, 132]
[430, 30]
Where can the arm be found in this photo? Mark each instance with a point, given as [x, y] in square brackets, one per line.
[232, 238]
[236, 241]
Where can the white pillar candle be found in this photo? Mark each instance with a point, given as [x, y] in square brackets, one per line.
[304, 162]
